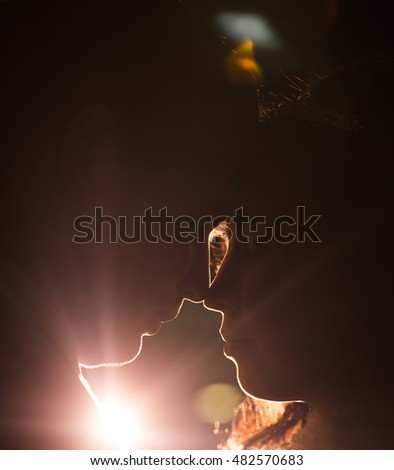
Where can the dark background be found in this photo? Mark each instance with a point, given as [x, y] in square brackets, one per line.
[160, 67]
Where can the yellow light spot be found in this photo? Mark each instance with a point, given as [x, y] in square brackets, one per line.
[217, 402]
[245, 49]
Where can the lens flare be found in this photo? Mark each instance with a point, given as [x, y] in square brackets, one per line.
[242, 69]
[240, 26]
[216, 402]
[118, 424]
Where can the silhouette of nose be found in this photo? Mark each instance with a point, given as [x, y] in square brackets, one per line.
[224, 292]
[216, 299]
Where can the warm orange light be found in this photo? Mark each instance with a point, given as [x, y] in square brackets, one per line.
[250, 66]
[242, 68]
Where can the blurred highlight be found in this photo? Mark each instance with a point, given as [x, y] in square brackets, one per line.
[241, 26]
[216, 402]
[242, 69]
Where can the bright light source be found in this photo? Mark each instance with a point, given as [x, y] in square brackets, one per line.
[119, 424]
[242, 26]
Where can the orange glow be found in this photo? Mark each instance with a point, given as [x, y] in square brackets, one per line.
[249, 65]
[242, 69]
[263, 424]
